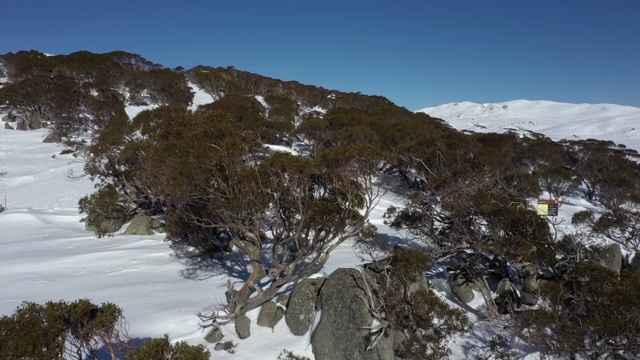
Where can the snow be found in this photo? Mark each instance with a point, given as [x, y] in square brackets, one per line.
[280, 148]
[46, 254]
[617, 123]
[261, 100]
[133, 111]
[200, 97]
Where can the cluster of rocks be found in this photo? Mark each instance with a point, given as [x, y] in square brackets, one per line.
[139, 225]
[343, 328]
[13, 121]
[509, 295]
[612, 258]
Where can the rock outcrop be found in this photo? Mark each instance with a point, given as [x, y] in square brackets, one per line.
[342, 331]
[143, 225]
[611, 257]
[301, 308]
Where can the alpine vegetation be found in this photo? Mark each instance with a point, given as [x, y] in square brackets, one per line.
[378, 232]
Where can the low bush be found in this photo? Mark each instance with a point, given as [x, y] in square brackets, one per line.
[79, 330]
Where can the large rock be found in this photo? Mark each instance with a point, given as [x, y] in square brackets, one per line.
[341, 332]
[143, 225]
[530, 285]
[214, 335]
[301, 308]
[243, 326]
[461, 287]
[508, 296]
[611, 257]
[53, 138]
[9, 118]
[529, 298]
[270, 314]
[530, 281]
[21, 124]
[107, 226]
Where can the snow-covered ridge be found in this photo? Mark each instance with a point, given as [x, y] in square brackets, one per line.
[556, 120]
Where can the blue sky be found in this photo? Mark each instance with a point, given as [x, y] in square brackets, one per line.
[416, 53]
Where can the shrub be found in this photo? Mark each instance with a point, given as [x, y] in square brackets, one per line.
[593, 312]
[77, 330]
[104, 210]
[60, 330]
[426, 319]
[161, 349]
[289, 355]
[497, 349]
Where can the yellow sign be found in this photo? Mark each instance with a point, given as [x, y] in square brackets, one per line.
[548, 207]
[543, 209]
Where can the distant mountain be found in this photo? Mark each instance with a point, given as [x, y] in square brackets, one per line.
[620, 124]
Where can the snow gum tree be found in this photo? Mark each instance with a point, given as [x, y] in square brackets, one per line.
[220, 187]
[473, 209]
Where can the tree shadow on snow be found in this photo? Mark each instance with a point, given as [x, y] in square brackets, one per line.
[200, 267]
[121, 352]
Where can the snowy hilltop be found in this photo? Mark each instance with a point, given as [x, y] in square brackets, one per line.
[617, 123]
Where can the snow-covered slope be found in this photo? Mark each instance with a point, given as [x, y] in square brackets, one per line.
[200, 97]
[617, 123]
[46, 254]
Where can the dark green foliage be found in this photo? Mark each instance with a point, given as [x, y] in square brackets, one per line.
[105, 209]
[248, 114]
[497, 349]
[582, 217]
[162, 349]
[289, 355]
[208, 172]
[81, 91]
[60, 330]
[606, 170]
[222, 82]
[160, 86]
[427, 320]
[77, 330]
[409, 264]
[593, 311]
[282, 108]
[620, 225]
[557, 181]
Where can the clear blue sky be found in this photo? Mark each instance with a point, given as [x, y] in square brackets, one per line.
[416, 53]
